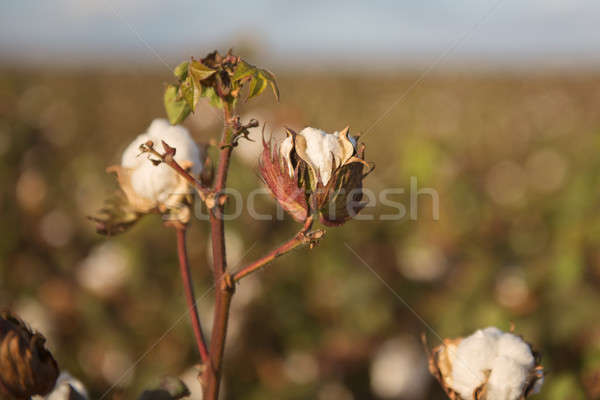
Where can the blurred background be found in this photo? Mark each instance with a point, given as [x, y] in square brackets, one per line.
[494, 104]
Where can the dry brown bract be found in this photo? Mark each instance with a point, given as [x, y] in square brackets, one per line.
[26, 367]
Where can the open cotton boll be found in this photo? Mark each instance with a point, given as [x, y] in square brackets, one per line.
[320, 146]
[474, 356]
[507, 379]
[321, 150]
[514, 347]
[156, 183]
[503, 362]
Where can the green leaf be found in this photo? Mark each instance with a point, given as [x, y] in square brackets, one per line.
[257, 86]
[259, 79]
[270, 77]
[210, 93]
[199, 71]
[177, 108]
[243, 70]
[188, 92]
[181, 71]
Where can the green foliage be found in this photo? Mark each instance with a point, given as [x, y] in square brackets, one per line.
[176, 105]
[259, 79]
[218, 79]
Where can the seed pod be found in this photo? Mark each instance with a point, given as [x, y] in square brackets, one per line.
[314, 172]
[26, 367]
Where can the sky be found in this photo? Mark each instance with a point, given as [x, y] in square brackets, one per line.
[303, 34]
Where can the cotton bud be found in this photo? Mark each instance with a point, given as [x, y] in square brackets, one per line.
[26, 367]
[148, 183]
[488, 365]
[316, 172]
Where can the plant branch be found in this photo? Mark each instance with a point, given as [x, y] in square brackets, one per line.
[168, 159]
[301, 238]
[189, 293]
[225, 290]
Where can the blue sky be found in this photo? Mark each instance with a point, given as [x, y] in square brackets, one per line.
[303, 33]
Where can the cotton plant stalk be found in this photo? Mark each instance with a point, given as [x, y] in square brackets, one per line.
[314, 175]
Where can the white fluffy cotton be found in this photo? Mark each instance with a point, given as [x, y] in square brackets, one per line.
[505, 357]
[158, 182]
[320, 146]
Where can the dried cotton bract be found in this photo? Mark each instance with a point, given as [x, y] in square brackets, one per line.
[488, 365]
[316, 172]
[26, 367]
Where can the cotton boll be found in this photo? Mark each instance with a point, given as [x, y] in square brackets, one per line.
[507, 380]
[474, 356]
[492, 332]
[500, 364]
[320, 149]
[156, 183]
[515, 348]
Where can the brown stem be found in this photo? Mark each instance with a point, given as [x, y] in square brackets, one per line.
[168, 159]
[288, 246]
[189, 294]
[225, 290]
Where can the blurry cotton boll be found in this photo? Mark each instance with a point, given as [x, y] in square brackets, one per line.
[334, 391]
[547, 170]
[147, 185]
[301, 367]
[190, 379]
[511, 290]
[31, 190]
[67, 388]
[56, 228]
[399, 370]
[105, 269]
[235, 249]
[506, 184]
[422, 262]
[117, 368]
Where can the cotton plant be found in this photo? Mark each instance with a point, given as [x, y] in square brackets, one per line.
[314, 175]
[488, 365]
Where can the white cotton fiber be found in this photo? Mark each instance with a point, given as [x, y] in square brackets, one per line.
[503, 360]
